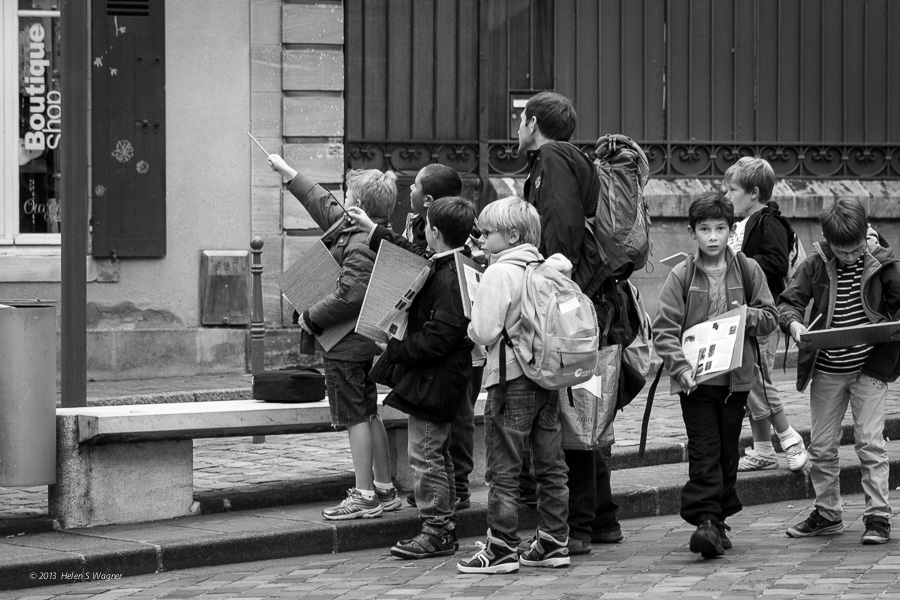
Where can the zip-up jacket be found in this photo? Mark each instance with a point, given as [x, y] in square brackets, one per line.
[767, 240]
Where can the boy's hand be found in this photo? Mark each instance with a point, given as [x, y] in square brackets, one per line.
[282, 168]
[686, 379]
[797, 329]
[361, 219]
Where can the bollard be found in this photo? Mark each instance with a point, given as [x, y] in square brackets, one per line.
[27, 393]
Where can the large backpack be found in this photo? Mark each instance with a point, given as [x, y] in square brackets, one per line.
[620, 228]
[558, 336]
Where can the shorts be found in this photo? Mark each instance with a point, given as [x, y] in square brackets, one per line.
[352, 396]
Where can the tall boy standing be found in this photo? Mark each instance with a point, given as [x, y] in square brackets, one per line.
[523, 411]
[352, 396]
[765, 236]
[435, 357]
[849, 283]
[713, 411]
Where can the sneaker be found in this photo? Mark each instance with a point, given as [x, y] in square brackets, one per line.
[493, 556]
[354, 506]
[546, 551]
[754, 461]
[797, 457]
[411, 499]
[815, 524]
[428, 544]
[726, 543]
[389, 499]
[706, 540]
[578, 547]
[613, 535]
[878, 530]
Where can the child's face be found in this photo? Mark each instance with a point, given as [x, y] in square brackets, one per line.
[711, 236]
[429, 235]
[526, 133]
[349, 199]
[849, 254]
[494, 241]
[417, 197]
[743, 200]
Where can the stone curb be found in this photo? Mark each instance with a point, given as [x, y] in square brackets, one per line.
[296, 531]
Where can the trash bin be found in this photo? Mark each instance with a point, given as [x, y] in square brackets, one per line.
[27, 393]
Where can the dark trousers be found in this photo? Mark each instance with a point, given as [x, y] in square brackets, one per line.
[712, 417]
[462, 436]
[591, 507]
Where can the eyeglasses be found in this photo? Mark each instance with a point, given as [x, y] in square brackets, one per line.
[486, 232]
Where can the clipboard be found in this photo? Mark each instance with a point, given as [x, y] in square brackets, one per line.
[469, 273]
[841, 337]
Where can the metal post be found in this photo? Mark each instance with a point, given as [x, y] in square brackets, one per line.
[73, 306]
[257, 319]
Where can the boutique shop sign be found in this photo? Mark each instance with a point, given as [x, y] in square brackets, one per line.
[44, 105]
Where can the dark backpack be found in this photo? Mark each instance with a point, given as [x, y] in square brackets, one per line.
[619, 230]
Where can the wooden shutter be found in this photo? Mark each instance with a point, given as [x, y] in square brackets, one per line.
[128, 128]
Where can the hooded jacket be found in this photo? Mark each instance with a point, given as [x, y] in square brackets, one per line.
[767, 240]
[671, 319]
[815, 280]
[498, 304]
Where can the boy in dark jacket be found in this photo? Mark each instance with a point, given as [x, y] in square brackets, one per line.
[352, 396]
[850, 282]
[435, 364]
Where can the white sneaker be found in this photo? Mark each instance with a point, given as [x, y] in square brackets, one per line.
[797, 457]
[754, 461]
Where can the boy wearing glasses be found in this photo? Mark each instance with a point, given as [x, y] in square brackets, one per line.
[850, 283]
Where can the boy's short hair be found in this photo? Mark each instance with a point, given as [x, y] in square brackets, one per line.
[751, 172]
[845, 222]
[513, 213]
[711, 205]
[440, 181]
[376, 192]
[454, 217]
[555, 115]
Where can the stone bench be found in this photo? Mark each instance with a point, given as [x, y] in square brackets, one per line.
[133, 463]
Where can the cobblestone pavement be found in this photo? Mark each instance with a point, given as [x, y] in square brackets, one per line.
[229, 463]
[653, 562]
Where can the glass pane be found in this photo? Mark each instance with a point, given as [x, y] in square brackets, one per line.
[40, 118]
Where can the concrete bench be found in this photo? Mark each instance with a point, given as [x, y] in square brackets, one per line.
[133, 463]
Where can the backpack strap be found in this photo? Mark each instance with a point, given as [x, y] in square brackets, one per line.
[501, 389]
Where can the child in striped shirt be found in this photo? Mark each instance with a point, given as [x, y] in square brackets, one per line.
[850, 283]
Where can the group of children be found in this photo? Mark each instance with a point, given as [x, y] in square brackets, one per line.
[437, 369]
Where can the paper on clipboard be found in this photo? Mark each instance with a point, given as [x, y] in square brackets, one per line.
[469, 273]
[675, 259]
[715, 346]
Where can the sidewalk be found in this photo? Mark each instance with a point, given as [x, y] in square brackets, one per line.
[283, 484]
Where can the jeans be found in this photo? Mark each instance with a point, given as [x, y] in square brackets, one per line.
[429, 457]
[713, 416]
[763, 399]
[529, 413]
[828, 398]
[591, 507]
[462, 436]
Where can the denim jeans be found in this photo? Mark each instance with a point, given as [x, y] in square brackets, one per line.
[529, 413]
[713, 417]
[462, 436]
[429, 457]
[828, 398]
[763, 399]
[591, 507]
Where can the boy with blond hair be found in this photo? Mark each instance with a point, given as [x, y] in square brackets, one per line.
[352, 396]
[764, 235]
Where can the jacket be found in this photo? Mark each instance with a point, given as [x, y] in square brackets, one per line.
[435, 355]
[348, 245]
[671, 320]
[814, 280]
[767, 240]
[498, 304]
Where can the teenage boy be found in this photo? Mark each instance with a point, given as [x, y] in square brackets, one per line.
[765, 236]
[850, 283]
[713, 411]
[352, 396]
[522, 412]
[436, 365]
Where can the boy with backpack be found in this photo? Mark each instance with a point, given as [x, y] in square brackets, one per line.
[765, 236]
[518, 410]
[709, 283]
[850, 282]
[435, 365]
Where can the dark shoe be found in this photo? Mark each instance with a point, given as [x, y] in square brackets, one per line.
[493, 556]
[612, 535]
[878, 530]
[815, 524]
[462, 504]
[578, 547]
[726, 543]
[389, 499]
[706, 540]
[427, 544]
[546, 551]
[411, 499]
